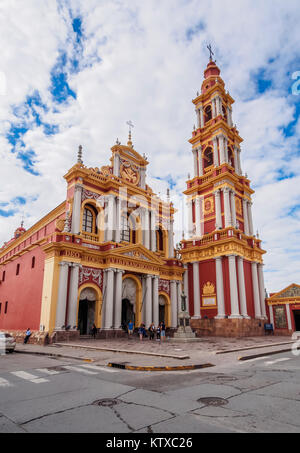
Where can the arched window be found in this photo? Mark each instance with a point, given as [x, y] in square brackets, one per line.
[160, 240]
[208, 157]
[224, 113]
[230, 157]
[89, 220]
[207, 114]
[125, 228]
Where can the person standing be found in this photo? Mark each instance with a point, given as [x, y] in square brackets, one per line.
[162, 331]
[94, 331]
[27, 335]
[130, 328]
[141, 332]
[158, 333]
[151, 331]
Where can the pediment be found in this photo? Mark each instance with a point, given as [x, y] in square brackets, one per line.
[138, 252]
[290, 292]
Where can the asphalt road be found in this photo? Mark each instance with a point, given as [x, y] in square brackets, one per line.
[44, 395]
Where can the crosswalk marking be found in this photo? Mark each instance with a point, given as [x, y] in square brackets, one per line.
[277, 360]
[5, 383]
[80, 370]
[29, 377]
[85, 369]
[47, 371]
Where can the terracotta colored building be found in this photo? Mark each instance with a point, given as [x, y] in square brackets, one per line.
[222, 255]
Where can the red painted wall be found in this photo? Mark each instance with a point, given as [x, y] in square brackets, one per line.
[207, 273]
[226, 286]
[23, 292]
[249, 288]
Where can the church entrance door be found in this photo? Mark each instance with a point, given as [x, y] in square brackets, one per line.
[127, 313]
[86, 311]
[297, 320]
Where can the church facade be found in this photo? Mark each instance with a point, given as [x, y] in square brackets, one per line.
[106, 254]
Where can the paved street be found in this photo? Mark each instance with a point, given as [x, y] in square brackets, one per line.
[49, 394]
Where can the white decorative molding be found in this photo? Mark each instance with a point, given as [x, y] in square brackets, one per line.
[87, 273]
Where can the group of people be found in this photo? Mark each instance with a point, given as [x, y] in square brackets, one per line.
[159, 331]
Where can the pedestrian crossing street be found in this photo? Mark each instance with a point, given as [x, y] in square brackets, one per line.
[42, 375]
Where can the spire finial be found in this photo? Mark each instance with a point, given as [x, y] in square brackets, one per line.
[131, 125]
[210, 52]
[79, 158]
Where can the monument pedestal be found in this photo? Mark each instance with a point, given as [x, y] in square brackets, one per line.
[184, 333]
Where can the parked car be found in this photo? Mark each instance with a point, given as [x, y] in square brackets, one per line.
[7, 342]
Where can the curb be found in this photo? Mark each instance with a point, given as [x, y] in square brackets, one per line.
[255, 356]
[227, 351]
[125, 351]
[50, 354]
[159, 368]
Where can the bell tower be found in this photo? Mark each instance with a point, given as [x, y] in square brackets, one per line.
[222, 255]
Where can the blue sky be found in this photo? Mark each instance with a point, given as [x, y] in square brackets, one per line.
[86, 68]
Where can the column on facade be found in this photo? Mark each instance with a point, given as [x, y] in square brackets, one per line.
[220, 288]
[117, 221]
[198, 216]
[148, 301]
[196, 166]
[218, 106]
[186, 286]
[76, 211]
[197, 299]
[234, 296]
[242, 288]
[226, 149]
[118, 299]
[173, 290]
[171, 239]
[214, 108]
[261, 285]
[62, 296]
[233, 210]
[143, 178]
[288, 316]
[229, 116]
[256, 295]
[249, 208]
[216, 155]
[227, 210]
[201, 116]
[238, 168]
[155, 297]
[218, 209]
[190, 217]
[73, 296]
[198, 118]
[146, 228]
[153, 232]
[117, 164]
[179, 292]
[245, 214]
[271, 315]
[222, 148]
[110, 213]
[109, 299]
[200, 161]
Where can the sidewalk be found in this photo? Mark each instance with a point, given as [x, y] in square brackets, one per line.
[136, 353]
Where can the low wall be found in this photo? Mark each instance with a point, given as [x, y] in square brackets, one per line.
[228, 327]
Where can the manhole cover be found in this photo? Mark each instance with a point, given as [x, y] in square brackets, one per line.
[213, 401]
[107, 402]
[224, 378]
